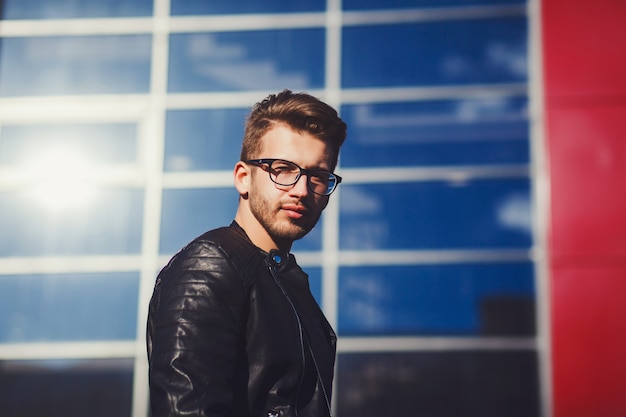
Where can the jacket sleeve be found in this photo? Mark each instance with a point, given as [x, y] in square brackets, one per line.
[195, 327]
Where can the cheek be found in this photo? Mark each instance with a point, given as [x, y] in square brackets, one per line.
[265, 191]
[259, 186]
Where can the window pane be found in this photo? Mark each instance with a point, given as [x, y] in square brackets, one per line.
[68, 307]
[312, 241]
[443, 215]
[256, 60]
[65, 9]
[93, 143]
[436, 53]
[399, 4]
[71, 219]
[475, 299]
[442, 384]
[188, 213]
[315, 282]
[445, 132]
[197, 140]
[195, 7]
[74, 65]
[68, 388]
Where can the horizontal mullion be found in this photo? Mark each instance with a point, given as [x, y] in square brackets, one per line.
[199, 100]
[121, 107]
[75, 108]
[76, 27]
[133, 177]
[126, 263]
[413, 15]
[71, 350]
[130, 349]
[200, 179]
[419, 257]
[418, 343]
[430, 257]
[424, 93]
[456, 174]
[242, 22]
[69, 264]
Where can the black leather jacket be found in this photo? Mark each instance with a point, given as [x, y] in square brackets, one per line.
[235, 331]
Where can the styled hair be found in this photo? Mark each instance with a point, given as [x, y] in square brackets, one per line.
[299, 111]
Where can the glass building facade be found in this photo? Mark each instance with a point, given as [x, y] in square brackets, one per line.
[121, 121]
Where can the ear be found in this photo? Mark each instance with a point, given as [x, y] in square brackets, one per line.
[242, 176]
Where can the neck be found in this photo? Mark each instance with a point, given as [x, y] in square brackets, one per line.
[257, 233]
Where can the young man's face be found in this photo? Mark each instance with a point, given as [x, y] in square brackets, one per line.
[287, 213]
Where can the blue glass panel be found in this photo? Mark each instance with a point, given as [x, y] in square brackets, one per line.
[312, 241]
[315, 282]
[403, 4]
[99, 143]
[477, 299]
[448, 383]
[443, 132]
[66, 9]
[435, 53]
[187, 213]
[68, 388]
[255, 60]
[197, 140]
[197, 7]
[75, 65]
[69, 307]
[442, 215]
[109, 221]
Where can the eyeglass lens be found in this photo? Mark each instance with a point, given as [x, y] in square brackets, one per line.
[287, 173]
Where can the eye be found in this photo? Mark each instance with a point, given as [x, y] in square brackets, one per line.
[284, 167]
[320, 178]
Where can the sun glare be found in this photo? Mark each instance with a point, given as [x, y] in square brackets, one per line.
[60, 179]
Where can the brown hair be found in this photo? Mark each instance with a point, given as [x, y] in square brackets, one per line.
[301, 112]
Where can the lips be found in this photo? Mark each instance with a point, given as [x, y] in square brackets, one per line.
[294, 211]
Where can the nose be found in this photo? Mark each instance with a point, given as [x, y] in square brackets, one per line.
[301, 187]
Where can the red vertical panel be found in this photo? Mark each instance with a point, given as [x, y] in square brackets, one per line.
[584, 49]
[589, 363]
[587, 145]
[584, 44]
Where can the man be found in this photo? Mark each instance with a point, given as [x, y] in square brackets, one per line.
[233, 329]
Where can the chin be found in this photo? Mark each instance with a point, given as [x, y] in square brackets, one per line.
[292, 232]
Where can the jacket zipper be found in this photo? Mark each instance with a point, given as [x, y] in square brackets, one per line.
[272, 269]
[300, 332]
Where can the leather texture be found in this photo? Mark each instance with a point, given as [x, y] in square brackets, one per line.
[235, 331]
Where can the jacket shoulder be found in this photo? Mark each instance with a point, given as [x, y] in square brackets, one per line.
[228, 243]
[233, 243]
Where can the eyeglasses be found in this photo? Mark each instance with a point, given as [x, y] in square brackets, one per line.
[287, 173]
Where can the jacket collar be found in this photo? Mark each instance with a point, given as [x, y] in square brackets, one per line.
[274, 257]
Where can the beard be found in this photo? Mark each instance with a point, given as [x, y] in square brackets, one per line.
[283, 229]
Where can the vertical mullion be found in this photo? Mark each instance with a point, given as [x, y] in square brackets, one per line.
[152, 140]
[330, 226]
[540, 198]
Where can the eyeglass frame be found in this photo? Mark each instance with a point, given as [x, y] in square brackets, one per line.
[307, 172]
